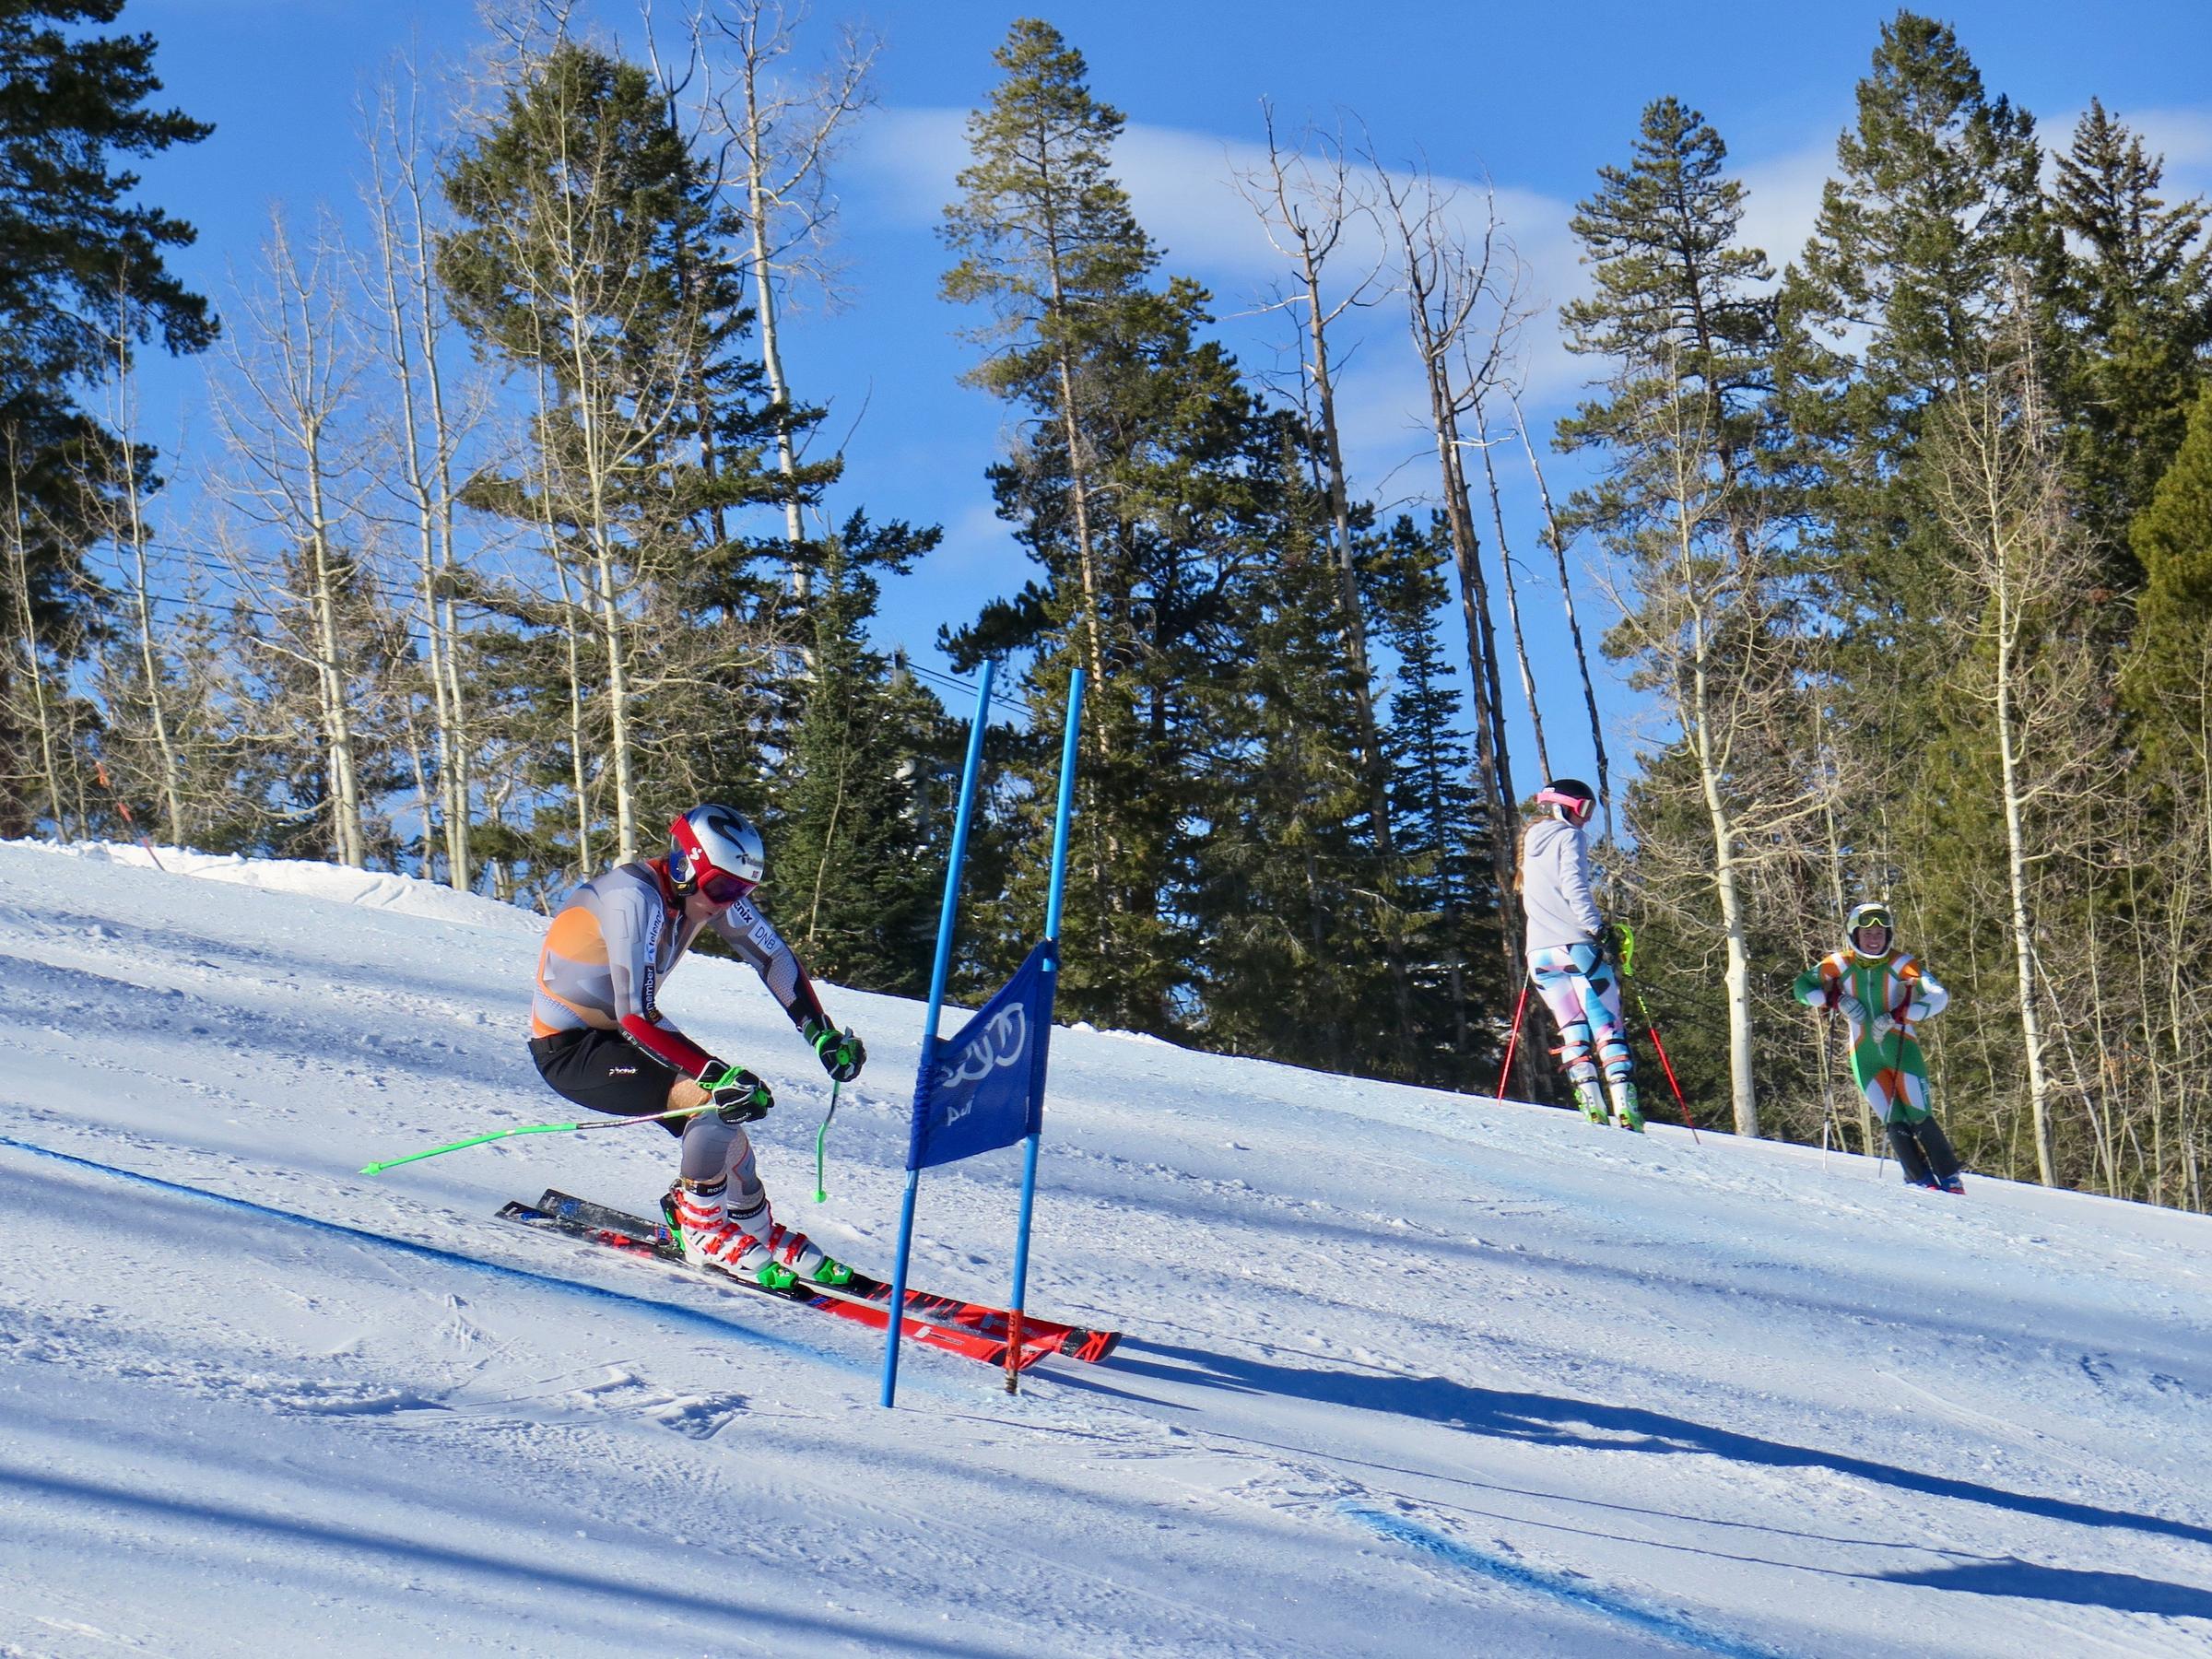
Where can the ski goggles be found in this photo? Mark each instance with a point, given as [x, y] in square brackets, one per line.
[1873, 916]
[702, 875]
[722, 887]
[1579, 807]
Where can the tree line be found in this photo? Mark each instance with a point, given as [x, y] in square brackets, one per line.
[523, 536]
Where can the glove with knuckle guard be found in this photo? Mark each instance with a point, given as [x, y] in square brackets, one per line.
[1885, 1023]
[737, 1095]
[1851, 1008]
[842, 1053]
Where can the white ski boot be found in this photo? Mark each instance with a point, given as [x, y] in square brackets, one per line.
[699, 1221]
[787, 1258]
[1627, 1112]
[1591, 1099]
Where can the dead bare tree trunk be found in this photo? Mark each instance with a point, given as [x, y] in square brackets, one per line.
[1306, 208]
[1513, 597]
[1445, 282]
[1557, 544]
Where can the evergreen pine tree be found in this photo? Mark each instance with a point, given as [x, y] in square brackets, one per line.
[1688, 505]
[856, 893]
[1449, 894]
[81, 262]
[2169, 671]
[1927, 235]
[2135, 299]
[1133, 490]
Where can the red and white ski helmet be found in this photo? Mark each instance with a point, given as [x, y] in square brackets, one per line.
[715, 849]
[1574, 800]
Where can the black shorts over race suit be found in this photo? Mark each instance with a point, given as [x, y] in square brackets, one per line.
[606, 1072]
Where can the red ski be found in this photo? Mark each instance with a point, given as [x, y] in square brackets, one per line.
[837, 1300]
[1039, 1337]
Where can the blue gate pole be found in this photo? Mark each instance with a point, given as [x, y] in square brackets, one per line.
[937, 975]
[1061, 818]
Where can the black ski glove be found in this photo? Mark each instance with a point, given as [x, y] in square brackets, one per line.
[841, 1053]
[1608, 944]
[737, 1096]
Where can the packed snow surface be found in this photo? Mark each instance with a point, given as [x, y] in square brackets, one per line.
[1407, 1372]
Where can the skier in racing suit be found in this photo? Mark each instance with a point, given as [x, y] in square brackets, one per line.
[1883, 994]
[598, 1037]
[1570, 955]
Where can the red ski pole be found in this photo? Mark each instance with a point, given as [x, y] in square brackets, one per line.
[1667, 1066]
[99, 771]
[1511, 1042]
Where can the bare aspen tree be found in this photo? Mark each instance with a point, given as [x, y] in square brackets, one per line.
[1702, 609]
[1308, 200]
[292, 386]
[426, 439]
[555, 269]
[780, 139]
[126, 531]
[42, 703]
[1445, 279]
[2000, 488]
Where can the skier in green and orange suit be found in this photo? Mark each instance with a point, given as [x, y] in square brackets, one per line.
[1882, 994]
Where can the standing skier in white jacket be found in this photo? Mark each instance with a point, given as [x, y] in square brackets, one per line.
[1569, 955]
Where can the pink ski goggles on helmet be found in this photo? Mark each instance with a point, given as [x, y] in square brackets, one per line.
[1578, 807]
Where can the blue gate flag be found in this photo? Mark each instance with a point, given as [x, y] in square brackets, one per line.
[984, 1088]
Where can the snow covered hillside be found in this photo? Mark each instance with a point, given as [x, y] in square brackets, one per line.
[1405, 1373]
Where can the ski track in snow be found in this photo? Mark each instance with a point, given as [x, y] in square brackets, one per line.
[1405, 1372]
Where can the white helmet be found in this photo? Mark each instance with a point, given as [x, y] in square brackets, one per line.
[715, 849]
[1873, 913]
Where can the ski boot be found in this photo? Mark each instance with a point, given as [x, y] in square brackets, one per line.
[794, 1259]
[1626, 1112]
[699, 1226]
[1591, 1099]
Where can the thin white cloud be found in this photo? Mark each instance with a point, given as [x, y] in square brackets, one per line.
[1182, 187]
[1781, 200]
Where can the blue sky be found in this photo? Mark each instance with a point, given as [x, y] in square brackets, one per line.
[1536, 97]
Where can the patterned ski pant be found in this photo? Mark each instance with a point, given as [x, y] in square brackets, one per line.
[1892, 1074]
[1582, 992]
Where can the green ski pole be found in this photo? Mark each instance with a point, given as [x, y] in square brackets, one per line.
[821, 1192]
[477, 1140]
[1628, 956]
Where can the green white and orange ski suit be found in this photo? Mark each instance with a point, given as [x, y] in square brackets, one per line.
[1887, 1066]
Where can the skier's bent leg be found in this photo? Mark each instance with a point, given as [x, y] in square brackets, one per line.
[1906, 1145]
[1601, 1002]
[1564, 990]
[719, 1168]
[1943, 1162]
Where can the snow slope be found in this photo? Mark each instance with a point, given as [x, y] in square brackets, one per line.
[1407, 1373]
